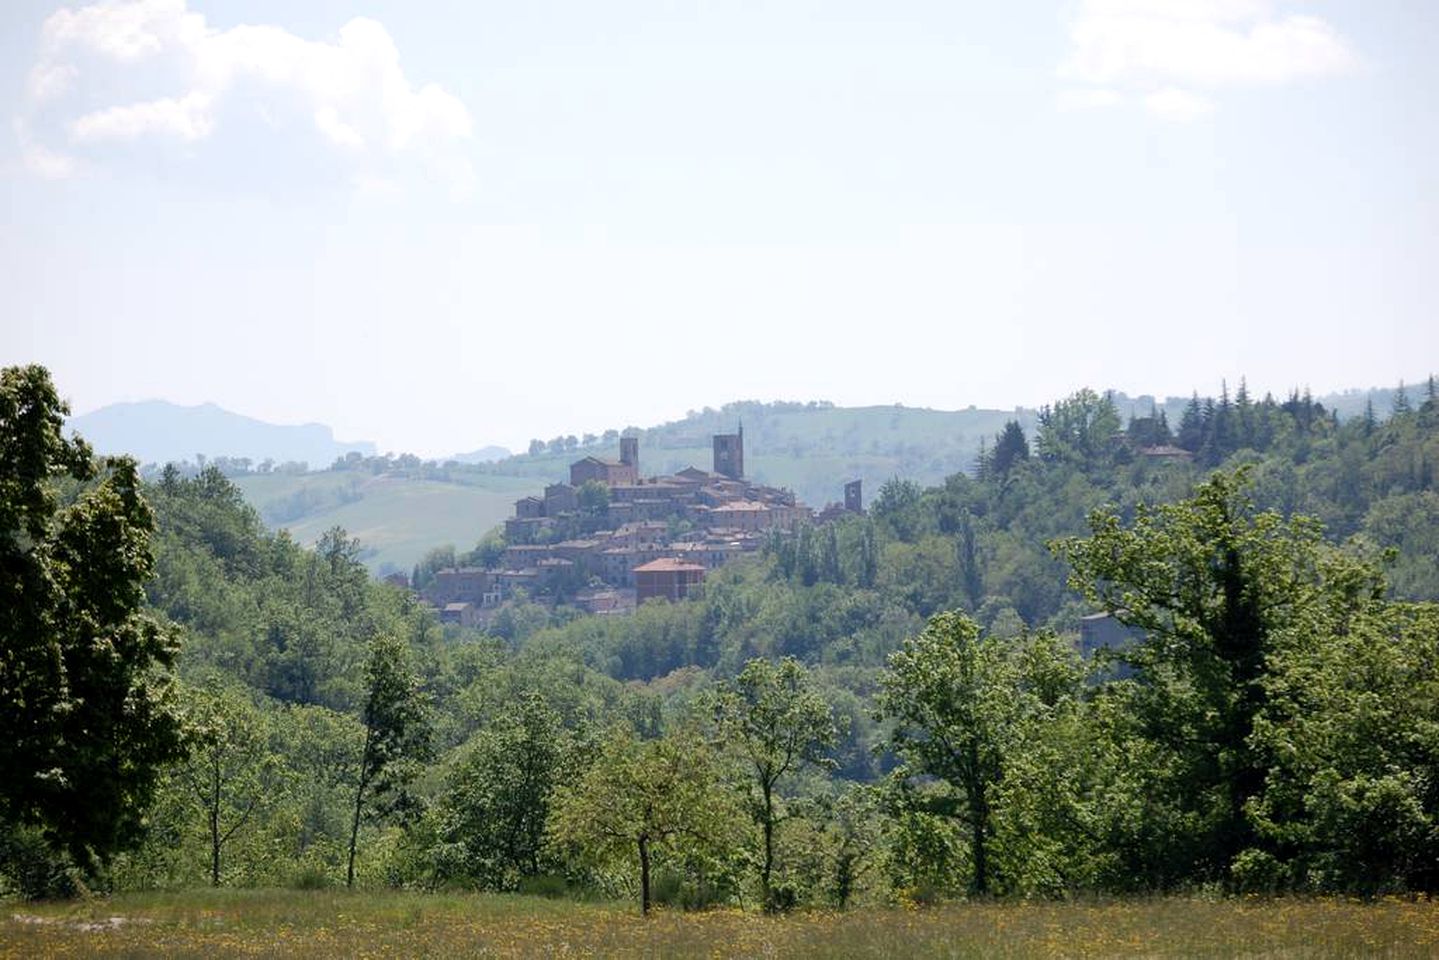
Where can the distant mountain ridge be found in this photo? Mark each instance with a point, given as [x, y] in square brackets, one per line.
[483, 455]
[157, 431]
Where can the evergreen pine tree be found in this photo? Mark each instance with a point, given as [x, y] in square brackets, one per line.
[1400, 405]
[1191, 426]
[1244, 416]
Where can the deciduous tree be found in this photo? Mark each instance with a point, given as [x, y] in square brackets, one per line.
[642, 798]
[85, 687]
[772, 716]
[397, 740]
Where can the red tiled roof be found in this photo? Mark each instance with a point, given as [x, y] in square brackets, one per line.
[667, 565]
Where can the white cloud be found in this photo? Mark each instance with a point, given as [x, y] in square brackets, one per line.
[191, 117]
[39, 159]
[1160, 49]
[352, 87]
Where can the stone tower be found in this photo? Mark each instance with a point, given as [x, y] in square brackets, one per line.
[630, 452]
[729, 454]
[853, 498]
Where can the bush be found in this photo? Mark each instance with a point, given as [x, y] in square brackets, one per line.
[31, 869]
[1255, 871]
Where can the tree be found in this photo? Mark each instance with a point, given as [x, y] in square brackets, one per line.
[1191, 426]
[231, 770]
[1010, 448]
[1080, 429]
[778, 723]
[594, 499]
[1212, 582]
[495, 807]
[867, 560]
[397, 740]
[950, 694]
[1399, 406]
[642, 798]
[898, 505]
[1350, 801]
[85, 682]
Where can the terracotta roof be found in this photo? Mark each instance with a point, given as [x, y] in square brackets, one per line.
[669, 565]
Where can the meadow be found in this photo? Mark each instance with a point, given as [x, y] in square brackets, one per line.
[230, 923]
[396, 519]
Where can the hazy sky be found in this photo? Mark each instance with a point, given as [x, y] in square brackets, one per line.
[437, 226]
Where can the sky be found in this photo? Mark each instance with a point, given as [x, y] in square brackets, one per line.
[438, 226]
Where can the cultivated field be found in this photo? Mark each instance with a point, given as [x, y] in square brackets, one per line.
[395, 519]
[217, 924]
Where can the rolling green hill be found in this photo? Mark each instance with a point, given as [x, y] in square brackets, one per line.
[401, 508]
[811, 448]
[396, 518]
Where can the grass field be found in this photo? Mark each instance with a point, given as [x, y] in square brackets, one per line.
[396, 520]
[382, 924]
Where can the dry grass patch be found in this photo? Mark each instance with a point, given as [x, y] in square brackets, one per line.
[215, 924]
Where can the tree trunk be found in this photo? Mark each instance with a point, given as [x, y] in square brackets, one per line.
[354, 836]
[981, 858]
[644, 875]
[214, 848]
[765, 897]
[363, 782]
[979, 837]
[215, 826]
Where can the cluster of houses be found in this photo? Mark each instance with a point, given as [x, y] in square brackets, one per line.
[660, 534]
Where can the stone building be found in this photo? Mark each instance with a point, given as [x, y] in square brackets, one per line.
[609, 472]
[854, 497]
[729, 454]
[667, 577]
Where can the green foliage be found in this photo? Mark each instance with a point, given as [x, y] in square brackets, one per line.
[1082, 429]
[1213, 584]
[1350, 801]
[963, 707]
[84, 676]
[1275, 732]
[772, 717]
[397, 740]
[232, 772]
[492, 814]
[641, 801]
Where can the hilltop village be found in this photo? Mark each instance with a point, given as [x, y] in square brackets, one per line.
[610, 539]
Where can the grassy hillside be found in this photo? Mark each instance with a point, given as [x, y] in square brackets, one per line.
[811, 448]
[396, 518]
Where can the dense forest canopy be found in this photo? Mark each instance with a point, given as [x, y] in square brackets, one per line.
[887, 707]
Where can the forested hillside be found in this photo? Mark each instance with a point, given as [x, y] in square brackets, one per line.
[886, 708]
[400, 506]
